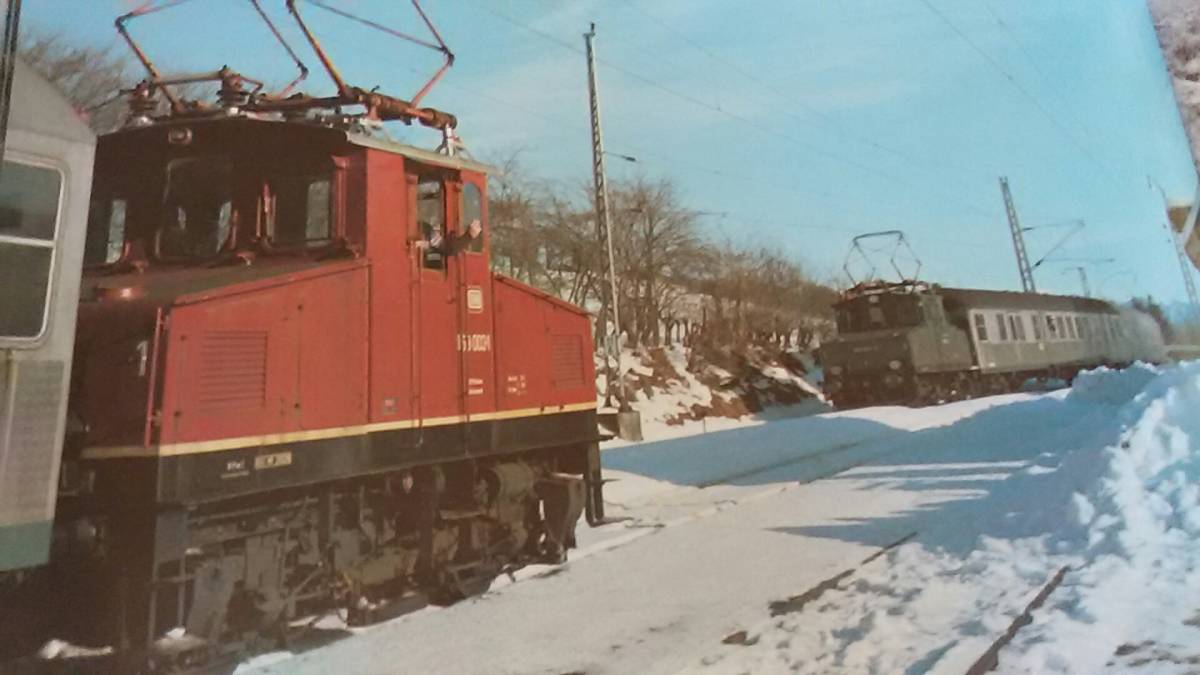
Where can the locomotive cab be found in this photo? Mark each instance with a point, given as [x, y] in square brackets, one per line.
[888, 336]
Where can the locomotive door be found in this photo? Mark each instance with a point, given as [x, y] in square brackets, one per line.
[474, 341]
[438, 398]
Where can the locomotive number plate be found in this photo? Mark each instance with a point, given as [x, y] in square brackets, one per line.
[474, 342]
[273, 460]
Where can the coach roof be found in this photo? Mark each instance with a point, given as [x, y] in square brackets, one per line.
[1011, 300]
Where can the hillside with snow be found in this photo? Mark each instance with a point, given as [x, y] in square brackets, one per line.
[1178, 26]
[681, 391]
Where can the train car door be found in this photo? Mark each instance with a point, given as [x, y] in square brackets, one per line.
[474, 341]
[435, 313]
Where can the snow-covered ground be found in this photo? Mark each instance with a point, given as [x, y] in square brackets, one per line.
[720, 567]
[1109, 491]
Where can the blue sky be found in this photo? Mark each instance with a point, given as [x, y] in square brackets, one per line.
[802, 122]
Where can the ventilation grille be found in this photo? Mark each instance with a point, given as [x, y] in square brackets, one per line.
[566, 361]
[28, 450]
[233, 370]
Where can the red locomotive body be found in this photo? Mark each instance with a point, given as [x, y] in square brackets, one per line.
[298, 384]
[337, 325]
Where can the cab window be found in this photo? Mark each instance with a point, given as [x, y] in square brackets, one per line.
[198, 208]
[431, 222]
[106, 230]
[472, 210]
[29, 206]
[301, 214]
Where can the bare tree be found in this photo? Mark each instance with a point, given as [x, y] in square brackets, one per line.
[657, 242]
[90, 77]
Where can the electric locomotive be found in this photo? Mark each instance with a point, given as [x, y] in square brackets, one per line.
[917, 343]
[298, 385]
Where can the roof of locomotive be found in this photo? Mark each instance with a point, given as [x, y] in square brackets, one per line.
[38, 107]
[302, 127]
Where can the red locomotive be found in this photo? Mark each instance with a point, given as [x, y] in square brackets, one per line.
[297, 382]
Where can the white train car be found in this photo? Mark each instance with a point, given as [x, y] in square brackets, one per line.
[44, 191]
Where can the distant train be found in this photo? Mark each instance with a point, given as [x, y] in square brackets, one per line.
[917, 343]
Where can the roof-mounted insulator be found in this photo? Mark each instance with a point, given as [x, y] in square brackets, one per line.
[142, 105]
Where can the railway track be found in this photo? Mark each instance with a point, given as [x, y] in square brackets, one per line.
[796, 603]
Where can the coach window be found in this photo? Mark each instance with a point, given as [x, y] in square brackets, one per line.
[301, 211]
[431, 219]
[981, 327]
[1051, 327]
[1017, 324]
[29, 205]
[472, 210]
[1037, 327]
[1001, 329]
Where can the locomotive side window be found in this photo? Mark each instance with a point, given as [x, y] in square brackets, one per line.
[981, 327]
[198, 208]
[1001, 329]
[302, 213]
[29, 205]
[472, 210]
[431, 219]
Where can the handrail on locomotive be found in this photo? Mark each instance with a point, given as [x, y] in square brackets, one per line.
[235, 97]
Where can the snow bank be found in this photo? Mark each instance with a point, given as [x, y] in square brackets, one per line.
[1114, 493]
[1138, 583]
[1105, 385]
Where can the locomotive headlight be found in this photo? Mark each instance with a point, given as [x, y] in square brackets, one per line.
[894, 364]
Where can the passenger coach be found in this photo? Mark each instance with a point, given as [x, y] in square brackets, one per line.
[44, 186]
